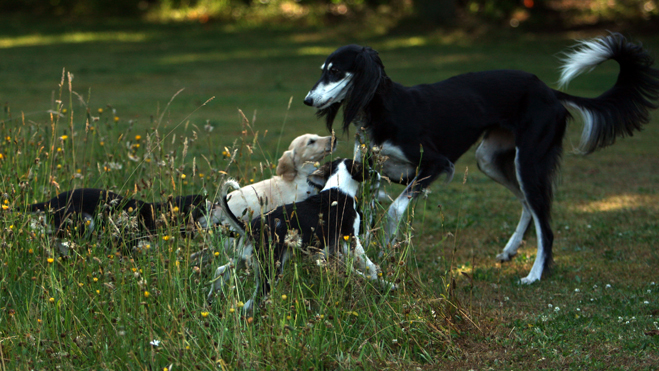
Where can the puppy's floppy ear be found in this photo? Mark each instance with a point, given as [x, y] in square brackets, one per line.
[365, 82]
[286, 166]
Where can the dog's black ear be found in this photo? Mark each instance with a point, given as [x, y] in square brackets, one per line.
[368, 74]
[357, 170]
[319, 177]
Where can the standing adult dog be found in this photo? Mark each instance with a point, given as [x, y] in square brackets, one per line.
[520, 119]
[329, 221]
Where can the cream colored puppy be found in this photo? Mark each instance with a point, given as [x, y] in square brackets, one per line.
[288, 186]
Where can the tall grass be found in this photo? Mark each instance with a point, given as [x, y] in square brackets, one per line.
[97, 305]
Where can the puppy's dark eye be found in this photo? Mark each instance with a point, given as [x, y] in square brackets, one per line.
[334, 70]
[311, 141]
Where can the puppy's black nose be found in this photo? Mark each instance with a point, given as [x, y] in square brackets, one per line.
[308, 101]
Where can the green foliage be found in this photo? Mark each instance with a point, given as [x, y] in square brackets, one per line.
[79, 303]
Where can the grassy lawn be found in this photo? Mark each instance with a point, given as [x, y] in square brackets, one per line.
[126, 125]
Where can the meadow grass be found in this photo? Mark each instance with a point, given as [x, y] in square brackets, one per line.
[120, 121]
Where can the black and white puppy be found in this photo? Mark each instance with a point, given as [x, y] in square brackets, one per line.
[520, 121]
[329, 221]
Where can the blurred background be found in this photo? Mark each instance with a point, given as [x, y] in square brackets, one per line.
[530, 14]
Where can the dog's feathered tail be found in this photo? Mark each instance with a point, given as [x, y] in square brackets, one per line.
[233, 220]
[621, 110]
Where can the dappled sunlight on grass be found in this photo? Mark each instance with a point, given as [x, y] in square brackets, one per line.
[406, 42]
[72, 38]
[620, 202]
[260, 53]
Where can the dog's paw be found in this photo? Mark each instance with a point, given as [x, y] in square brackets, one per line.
[529, 280]
[505, 257]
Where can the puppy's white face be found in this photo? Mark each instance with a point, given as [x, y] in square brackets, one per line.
[332, 87]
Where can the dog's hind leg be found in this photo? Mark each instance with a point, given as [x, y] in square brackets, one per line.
[537, 159]
[496, 158]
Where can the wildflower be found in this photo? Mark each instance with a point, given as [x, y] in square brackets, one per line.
[5, 202]
[182, 176]
[102, 143]
[608, 286]
[284, 297]
[557, 309]
[204, 314]
[240, 304]
[64, 110]
[116, 118]
[201, 175]
[100, 110]
[52, 300]
[81, 284]
[98, 292]
[59, 149]
[2, 156]
[576, 290]
[217, 253]
[95, 279]
[347, 238]
[138, 137]
[64, 137]
[8, 138]
[146, 294]
[225, 153]
[231, 310]
[646, 302]
[154, 342]
[59, 166]
[5, 207]
[251, 180]
[30, 251]
[50, 260]
[165, 238]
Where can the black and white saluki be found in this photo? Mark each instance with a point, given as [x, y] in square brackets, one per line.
[329, 221]
[521, 122]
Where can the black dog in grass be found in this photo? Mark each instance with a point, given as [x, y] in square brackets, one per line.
[75, 212]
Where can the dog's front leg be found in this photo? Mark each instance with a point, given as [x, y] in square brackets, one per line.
[396, 211]
[221, 275]
[367, 268]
